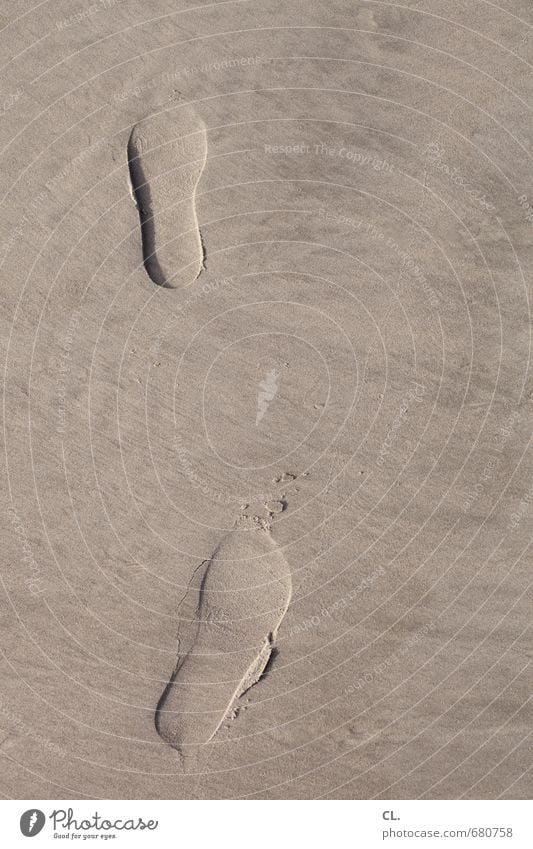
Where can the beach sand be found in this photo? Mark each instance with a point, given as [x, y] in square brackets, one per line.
[274, 443]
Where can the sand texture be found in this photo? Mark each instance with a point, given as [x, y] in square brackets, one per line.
[267, 399]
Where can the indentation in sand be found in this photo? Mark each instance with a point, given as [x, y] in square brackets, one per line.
[166, 156]
[230, 617]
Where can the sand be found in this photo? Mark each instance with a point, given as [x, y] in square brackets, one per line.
[268, 400]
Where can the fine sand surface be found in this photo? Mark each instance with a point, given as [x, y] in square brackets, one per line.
[268, 399]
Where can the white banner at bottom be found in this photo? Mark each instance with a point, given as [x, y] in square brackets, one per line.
[269, 824]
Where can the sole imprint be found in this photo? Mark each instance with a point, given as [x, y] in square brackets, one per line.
[241, 596]
[166, 157]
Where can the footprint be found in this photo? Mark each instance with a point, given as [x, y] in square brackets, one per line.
[242, 594]
[166, 157]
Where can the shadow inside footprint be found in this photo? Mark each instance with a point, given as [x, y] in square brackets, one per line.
[269, 664]
[143, 199]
